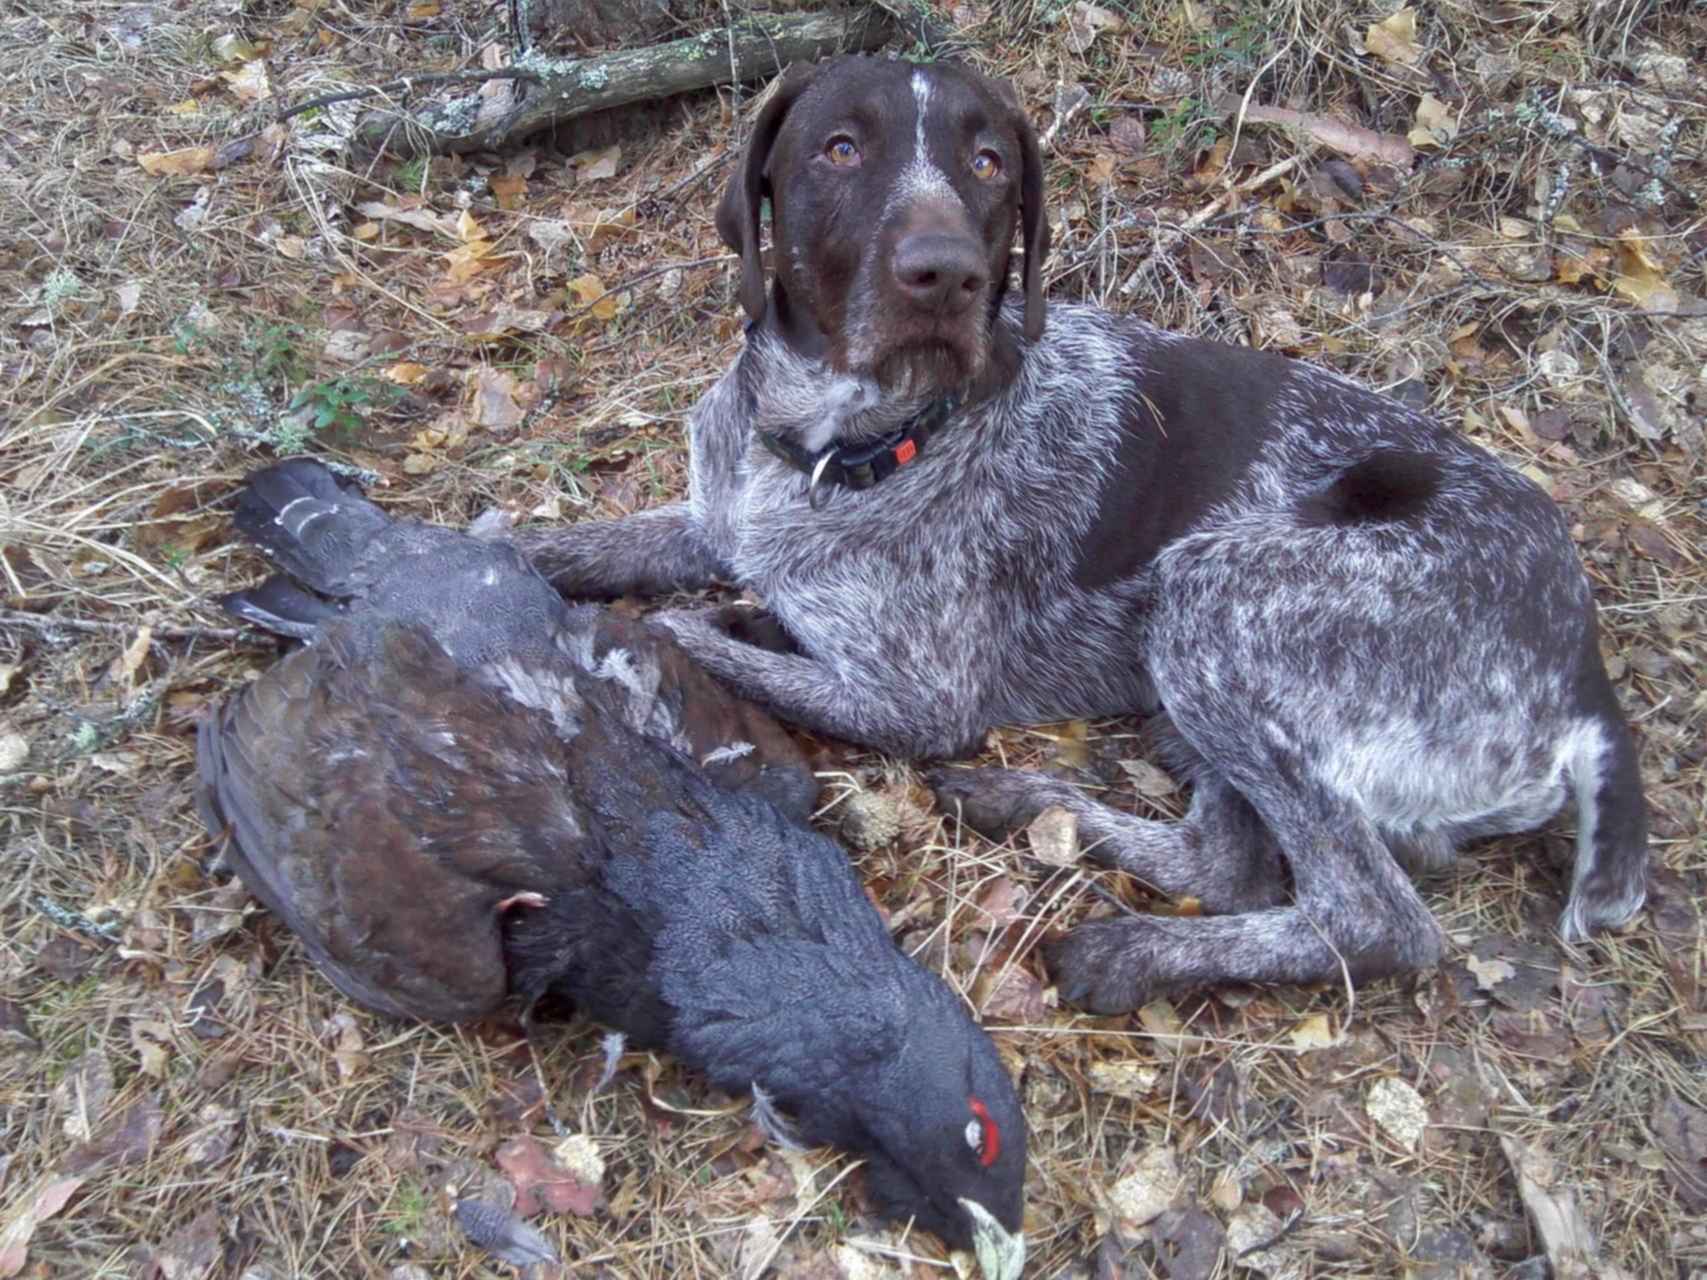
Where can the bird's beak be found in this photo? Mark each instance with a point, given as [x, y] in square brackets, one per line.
[1000, 1256]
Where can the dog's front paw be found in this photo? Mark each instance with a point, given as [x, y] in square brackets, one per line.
[993, 802]
[688, 625]
[1105, 966]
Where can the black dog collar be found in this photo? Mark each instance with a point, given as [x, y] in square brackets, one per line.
[861, 466]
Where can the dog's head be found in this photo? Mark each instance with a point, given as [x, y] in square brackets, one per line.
[895, 193]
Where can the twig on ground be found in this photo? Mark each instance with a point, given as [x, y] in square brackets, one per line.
[1203, 215]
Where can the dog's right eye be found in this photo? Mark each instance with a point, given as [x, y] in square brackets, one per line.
[842, 152]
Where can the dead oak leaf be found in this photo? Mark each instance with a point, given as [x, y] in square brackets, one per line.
[542, 1183]
[48, 1198]
[181, 163]
[1489, 973]
[1011, 994]
[1682, 1133]
[129, 1139]
[1641, 276]
[1054, 837]
[1436, 123]
[1394, 39]
[495, 407]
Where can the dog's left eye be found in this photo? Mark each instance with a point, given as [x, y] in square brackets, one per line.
[986, 165]
[842, 151]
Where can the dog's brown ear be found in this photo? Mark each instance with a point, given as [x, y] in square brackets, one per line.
[1034, 221]
[738, 211]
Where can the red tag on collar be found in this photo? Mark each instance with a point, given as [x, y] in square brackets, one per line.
[905, 452]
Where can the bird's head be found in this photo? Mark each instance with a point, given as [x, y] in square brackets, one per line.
[949, 1138]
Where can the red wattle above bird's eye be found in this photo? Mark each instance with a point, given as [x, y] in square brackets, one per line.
[989, 1135]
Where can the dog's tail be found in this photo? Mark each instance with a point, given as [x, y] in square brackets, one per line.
[315, 527]
[1609, 882]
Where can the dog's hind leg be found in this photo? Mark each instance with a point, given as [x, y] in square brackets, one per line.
[1355, 908]
[1220, 853]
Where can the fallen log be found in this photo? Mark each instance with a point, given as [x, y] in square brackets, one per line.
[540, 91]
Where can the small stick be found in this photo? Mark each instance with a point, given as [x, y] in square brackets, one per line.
[1203, 215]
[48, 623]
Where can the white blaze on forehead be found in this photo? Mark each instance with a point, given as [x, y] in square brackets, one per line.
[920, 178]
[922, 99]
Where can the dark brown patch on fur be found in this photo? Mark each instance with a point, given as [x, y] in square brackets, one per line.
[1185, 448]
[1386, 486]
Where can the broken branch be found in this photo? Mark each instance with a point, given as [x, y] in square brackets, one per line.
[563, 89]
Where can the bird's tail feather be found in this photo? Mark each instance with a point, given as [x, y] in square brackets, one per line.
[311, 523]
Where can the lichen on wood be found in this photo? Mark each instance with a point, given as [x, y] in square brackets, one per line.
[571, 87]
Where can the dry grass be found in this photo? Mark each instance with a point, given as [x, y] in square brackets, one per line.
[226, 1111]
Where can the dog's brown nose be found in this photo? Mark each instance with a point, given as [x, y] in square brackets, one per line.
[939, 272]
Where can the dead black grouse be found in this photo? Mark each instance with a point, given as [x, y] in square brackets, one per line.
[463, 787]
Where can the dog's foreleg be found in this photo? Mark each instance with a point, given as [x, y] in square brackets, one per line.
[912, 723]
[649, 553]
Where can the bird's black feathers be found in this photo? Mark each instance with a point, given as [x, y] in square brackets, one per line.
[455, 740]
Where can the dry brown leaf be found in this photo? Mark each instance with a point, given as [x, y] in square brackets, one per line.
[1436, 123]
[511, 189]
[1011, 994]
[127, 1139]
[1148, 1191]
[1148, 780]
[1085, 22]
[48, 1198]
[214, 1136]
[541, 1183]
[1395, 38]
[495, 406]
[151, 1041]
[191, 1252]
[249, 82]
[407, 373]
[1002, 902]
[1123, 1078]
[594, 166]
[470, 259]
[1162, 1021]
[348, 1053]
[1101, 168]
[507, 319]
[1072, 741]
[419, 218]
[421, 10]
[1682, 1133]
[1641, 277]
[1054, 837]
[1489, 973]
[179, 164]
[589, 291]
[1314, 1032]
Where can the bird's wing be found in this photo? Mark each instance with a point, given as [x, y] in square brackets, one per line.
[383, 808]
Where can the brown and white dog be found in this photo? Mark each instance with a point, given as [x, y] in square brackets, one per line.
[1374, 642]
